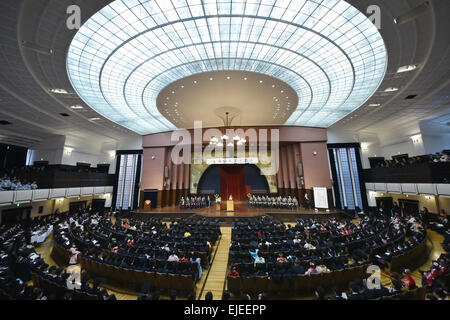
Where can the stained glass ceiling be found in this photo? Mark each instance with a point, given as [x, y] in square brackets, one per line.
[125, 54]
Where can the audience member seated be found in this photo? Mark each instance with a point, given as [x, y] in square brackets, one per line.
[431, 158]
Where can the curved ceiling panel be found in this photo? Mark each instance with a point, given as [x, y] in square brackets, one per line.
[327, 51]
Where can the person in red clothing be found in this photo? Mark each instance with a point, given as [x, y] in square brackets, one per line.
[281, 258]
[233, 272]
[432, 275]
[408, 281]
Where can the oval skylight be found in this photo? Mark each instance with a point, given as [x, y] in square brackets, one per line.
[125, 54]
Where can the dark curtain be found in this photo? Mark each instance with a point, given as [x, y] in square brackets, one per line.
[232, 182]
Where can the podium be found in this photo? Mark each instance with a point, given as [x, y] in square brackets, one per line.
[230, 206]
[148, 205]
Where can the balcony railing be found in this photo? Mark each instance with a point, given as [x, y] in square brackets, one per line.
[28, 196]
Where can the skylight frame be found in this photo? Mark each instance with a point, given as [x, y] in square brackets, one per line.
[125, 54]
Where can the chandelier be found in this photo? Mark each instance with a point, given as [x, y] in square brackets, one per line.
[223, 140]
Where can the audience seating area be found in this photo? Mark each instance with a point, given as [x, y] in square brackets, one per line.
[396, 162]
[267, 256]
[139, 254]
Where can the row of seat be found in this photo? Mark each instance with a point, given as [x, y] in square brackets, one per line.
[204, 256]
[301, 284]
[60, 255]
[409, 259]
[49, 287]
[305, 284]
[136, 279]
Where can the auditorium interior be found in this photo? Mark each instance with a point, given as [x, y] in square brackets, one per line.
[224, 150]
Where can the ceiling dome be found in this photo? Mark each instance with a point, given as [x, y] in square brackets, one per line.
[328, 52]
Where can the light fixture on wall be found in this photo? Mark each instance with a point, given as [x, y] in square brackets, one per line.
[416, 139]
[68, 151]
[364, 146]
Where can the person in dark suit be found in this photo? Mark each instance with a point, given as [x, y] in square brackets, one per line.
[337, 294]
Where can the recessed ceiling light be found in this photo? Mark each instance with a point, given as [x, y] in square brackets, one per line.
[195, 81]
[182, 87]
[407, 68]
[173, 92]
[392, 89]
[60, 91]
[228, 78]
[245, 78]
[76, 107]
[282, 91]
[273, 86]
[260, 81]
[374, 105]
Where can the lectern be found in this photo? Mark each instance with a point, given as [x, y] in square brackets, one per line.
[230, 206]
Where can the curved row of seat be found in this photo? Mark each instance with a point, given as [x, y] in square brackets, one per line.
[135, 279]
[302, 284]
[51, 288]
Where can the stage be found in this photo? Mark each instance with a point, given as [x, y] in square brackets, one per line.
[241, 211]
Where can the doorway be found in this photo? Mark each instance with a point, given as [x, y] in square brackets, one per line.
[16, 215]
[409, 207]
[98, 205]
[75, 207]
[386, 203]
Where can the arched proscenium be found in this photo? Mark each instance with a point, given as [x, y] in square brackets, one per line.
[326, 50]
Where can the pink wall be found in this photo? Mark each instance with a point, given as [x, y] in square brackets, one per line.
[153, 170]
[315, 168]
[299, 143]
[287, 134]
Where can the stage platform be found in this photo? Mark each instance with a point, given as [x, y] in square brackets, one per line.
[241, 211]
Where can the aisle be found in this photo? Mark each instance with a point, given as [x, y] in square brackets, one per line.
[217, 275]
[434, 248]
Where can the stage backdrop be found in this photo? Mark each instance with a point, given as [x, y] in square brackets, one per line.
[197, 171]
[232, 182]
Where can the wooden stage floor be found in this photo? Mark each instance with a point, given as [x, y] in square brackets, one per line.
[241, 211]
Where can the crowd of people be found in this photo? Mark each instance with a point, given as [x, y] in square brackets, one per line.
[404, 162]
[195, 202]
[19, 260]
[311, 243]
[181, 247]
[266, 202]
[12, 184]
[268, 248]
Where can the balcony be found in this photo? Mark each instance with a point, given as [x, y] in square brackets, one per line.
[414, 173]
[28, 196]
